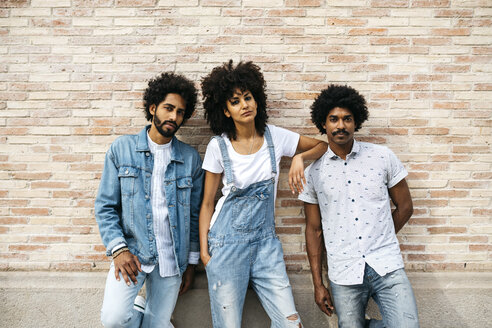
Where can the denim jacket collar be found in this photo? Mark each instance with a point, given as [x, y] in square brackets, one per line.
[142, 145]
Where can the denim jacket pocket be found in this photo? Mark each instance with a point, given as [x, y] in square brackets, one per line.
[184, 190]
[128, 176]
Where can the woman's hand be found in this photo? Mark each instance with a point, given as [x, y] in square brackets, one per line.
[205, 258]
[296, 174]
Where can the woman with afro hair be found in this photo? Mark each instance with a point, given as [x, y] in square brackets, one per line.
[237, 237]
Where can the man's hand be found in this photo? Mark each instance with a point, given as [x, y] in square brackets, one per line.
[188, 278]
[129, 266]
[296, 174]
[322, 298]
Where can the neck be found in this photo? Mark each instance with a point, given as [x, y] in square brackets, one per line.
[158, 138]
[245, 131]
[342, 150]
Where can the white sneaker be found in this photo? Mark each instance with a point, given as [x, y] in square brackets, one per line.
[139, 304]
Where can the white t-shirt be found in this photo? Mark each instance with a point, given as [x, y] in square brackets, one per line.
[248, 169]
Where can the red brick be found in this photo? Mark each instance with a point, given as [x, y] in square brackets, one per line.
[288, 230]
[390, 3]
[426, 257]
[31, 175]
[388, 41]
[49, 239]
[292, 221]
[303, 3]
[14, 3]
[451, 31]
[471, 149]
[291, 203]
[72, 230]
[453, 13]
[449, 193]
[446, 230]
[49, 185]
[430, 3]
[368, 31]
[426, 221]
[13, 220]
[468, 239]
[30, 211]
[407, 248]
[27, 248]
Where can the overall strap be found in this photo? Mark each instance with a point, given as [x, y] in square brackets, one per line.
[271, 150]
[225, 159]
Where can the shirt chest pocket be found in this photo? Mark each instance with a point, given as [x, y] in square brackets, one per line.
[184, 186]
[128, 179]
[373, 188]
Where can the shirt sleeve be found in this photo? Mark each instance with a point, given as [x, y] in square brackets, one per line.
[285, 140]
[395, 170]
[212, 161]
[308, 195]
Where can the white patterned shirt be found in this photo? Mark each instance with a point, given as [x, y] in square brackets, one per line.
[355, 210]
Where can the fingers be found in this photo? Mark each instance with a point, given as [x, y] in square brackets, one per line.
[325, 307]
[117, 273]
[296, 183]
[137, 263]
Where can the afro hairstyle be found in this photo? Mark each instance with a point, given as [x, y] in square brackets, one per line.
[339, 96]
[160, 86]
[219, 86]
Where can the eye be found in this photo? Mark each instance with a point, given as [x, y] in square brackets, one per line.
[248, 98]
[234, 102]
[181, 112]
[333, 119]
[168, 108]
[348, 119]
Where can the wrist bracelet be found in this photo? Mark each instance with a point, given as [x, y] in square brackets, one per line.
[121, 250]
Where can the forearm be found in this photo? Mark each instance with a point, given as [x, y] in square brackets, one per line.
[401, 216]
[206, 213]
[315, 152]
[314, 246]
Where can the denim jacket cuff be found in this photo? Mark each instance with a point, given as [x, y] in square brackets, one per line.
[194, 246]
[113, 243]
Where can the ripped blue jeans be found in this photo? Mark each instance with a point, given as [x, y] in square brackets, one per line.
[392, 293]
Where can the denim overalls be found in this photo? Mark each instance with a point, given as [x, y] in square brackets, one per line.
[244, 248]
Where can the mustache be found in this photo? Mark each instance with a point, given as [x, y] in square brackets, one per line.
[334, 133]
[170, 122]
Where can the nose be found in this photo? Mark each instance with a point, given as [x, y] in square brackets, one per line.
[173, 115]
[244, 103]
[340, 124]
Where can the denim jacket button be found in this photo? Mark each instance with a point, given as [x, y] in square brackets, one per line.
[147, 154]
[146, 196]
[126, 172]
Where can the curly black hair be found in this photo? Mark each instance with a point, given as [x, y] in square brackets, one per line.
[219, 86]
[338, 96]
[160, 86]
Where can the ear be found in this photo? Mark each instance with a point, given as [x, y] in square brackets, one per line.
[152, 109]
[226, 113]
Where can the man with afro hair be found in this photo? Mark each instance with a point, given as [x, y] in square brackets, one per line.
[347, 204]
[147, 210]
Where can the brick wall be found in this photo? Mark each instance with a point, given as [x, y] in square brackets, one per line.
[72, 74]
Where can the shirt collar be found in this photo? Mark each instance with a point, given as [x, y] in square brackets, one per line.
[355, 150]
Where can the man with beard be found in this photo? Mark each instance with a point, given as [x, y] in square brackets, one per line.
[347, 204]
[147, 210]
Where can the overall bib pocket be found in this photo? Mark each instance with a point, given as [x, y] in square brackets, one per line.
[249, 212]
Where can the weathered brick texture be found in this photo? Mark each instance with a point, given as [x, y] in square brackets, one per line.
[72, 75]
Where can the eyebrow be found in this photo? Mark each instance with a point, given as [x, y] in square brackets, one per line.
[169, 105]
[346, 116]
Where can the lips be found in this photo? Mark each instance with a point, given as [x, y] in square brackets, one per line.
[247, 113]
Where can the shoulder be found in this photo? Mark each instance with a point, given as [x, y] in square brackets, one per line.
[186, 149]
[371, 148]
[123, 143]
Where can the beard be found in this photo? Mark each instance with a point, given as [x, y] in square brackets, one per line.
[160, 127]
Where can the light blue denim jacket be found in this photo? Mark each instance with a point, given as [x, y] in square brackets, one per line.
[123, 208]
